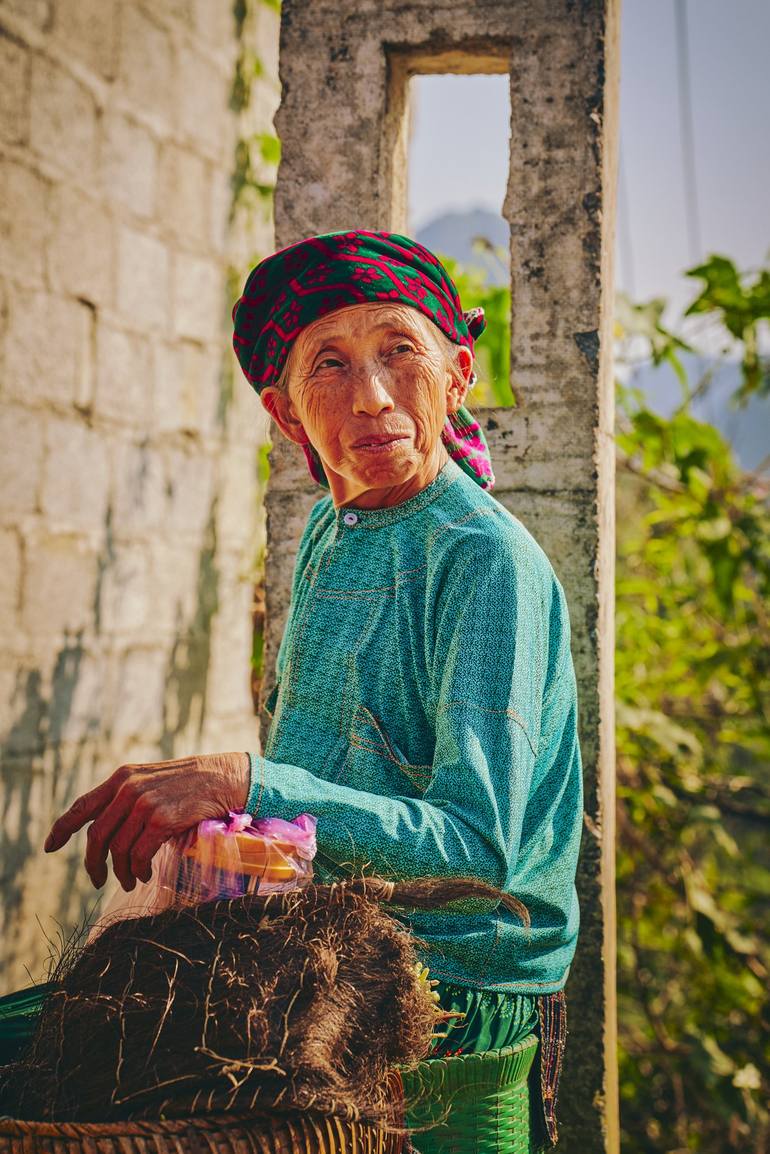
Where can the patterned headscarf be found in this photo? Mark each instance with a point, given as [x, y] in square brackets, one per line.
[296, 285]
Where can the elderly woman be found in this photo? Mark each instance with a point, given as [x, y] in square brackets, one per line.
[424, 706]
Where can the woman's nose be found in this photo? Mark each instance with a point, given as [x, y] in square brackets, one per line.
[371, 394]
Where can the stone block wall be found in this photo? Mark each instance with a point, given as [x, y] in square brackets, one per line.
[128, 488]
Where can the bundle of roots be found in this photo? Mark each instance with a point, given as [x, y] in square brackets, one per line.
[295, 1001]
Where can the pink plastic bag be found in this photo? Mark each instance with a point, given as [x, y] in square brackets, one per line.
[225, 858]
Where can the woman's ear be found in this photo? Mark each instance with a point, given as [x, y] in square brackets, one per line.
[459, 384]
[278, 404]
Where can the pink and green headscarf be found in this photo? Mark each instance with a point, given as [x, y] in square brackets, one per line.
[296, 285]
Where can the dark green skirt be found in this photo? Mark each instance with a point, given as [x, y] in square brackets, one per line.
[492, 1020]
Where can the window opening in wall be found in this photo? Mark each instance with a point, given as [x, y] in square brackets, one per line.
[459, 150]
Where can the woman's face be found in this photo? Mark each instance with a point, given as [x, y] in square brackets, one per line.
[370, 387]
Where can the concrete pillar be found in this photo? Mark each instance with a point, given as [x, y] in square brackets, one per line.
[343, 123]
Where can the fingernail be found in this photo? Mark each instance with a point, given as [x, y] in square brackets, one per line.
[48, 846]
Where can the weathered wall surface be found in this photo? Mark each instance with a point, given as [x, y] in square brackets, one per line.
[127, 445]
[344, 166]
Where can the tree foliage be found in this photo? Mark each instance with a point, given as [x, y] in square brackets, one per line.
[692, 669]
[741, 302]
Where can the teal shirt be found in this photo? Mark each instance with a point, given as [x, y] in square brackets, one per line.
[425, 710]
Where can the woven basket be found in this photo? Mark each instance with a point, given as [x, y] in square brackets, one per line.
[235, 1134]
[483, 1099]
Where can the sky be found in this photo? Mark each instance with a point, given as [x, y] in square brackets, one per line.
[730, 98]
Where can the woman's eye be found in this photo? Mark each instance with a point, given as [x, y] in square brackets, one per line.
[402, 346]
[328, 361]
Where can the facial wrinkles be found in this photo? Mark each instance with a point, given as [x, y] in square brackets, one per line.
[355, 344]
[357, 322]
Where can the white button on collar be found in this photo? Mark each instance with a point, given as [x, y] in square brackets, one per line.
[350, 519]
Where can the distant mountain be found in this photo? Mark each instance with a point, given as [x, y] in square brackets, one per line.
[453, 235]
[747, 430]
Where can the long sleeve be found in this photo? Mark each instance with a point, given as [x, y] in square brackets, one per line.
[468, 822]
[495, 636]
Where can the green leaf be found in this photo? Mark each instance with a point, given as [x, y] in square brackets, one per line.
[269, 147]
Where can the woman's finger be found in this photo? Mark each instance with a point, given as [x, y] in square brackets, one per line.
[82, 810]
[121, 846]
[104, 829]
[144, 849]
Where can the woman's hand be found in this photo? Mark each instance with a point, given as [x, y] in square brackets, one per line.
[139, 807]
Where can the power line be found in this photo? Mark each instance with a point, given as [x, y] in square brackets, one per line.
[687, 133]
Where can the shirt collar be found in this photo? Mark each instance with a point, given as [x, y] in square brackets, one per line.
[390, 514]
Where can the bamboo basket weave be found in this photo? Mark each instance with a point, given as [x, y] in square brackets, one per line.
[229, 1134]
[484, 1099]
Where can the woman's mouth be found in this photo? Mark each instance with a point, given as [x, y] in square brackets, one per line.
[381, 443]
